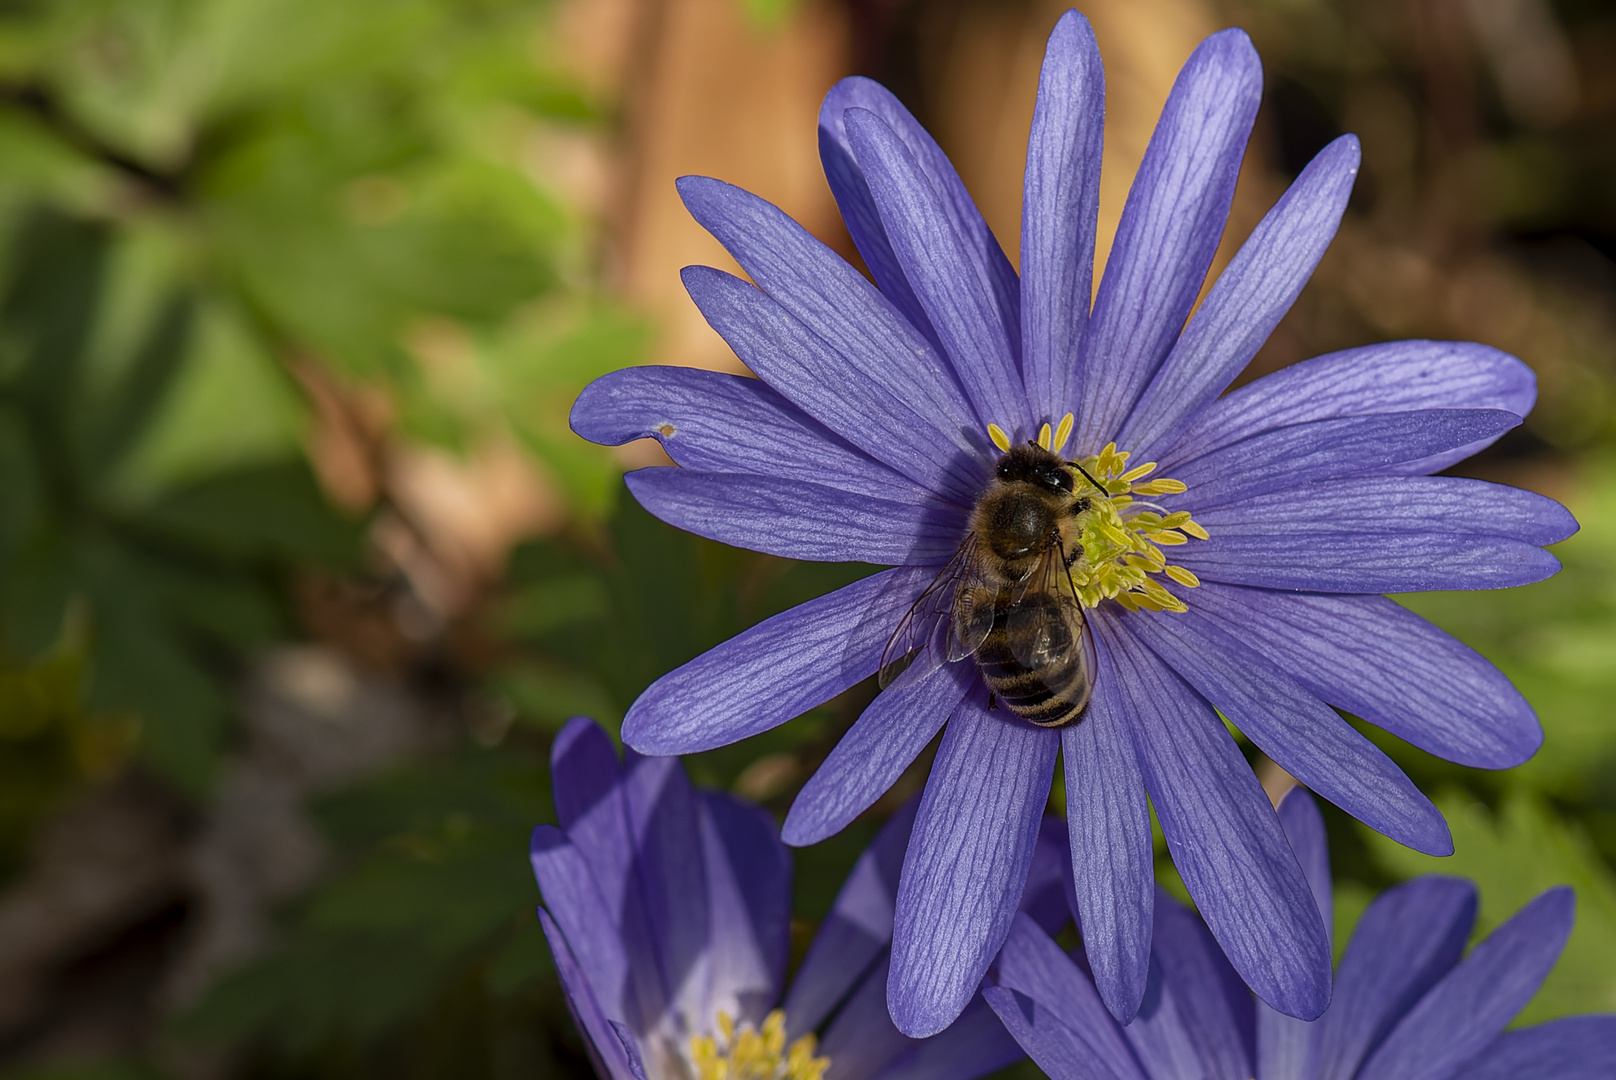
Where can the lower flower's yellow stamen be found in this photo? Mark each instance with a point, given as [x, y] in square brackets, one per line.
[1000, 439]
[751, 1053]
[1043, 436]
[1063, 431]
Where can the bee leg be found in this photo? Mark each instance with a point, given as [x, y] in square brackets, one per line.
[993, 701]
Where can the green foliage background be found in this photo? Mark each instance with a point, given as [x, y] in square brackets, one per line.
[203, 200]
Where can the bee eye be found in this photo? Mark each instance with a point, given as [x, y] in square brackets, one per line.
[1055, 479]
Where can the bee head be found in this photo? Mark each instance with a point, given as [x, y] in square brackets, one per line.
[1032, 464]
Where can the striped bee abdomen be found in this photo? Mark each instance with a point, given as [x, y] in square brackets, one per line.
[1033, 661]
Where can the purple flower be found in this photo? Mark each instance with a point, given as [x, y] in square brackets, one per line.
[876, 424]
[1406, 1006]
[668, 914]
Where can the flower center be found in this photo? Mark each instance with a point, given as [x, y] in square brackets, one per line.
[1123, 532]
[749, 1053]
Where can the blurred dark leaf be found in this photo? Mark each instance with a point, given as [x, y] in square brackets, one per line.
[439, 882]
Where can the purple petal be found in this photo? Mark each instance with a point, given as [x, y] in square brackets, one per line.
[1047, 898]
[857, 930]
[1169, 230]
[1060, 208]
[749, 883]
[1305, 736]
[583, 772]
[1247, 302]
[1034, 967]
[597, 940]
[967, 861]
[603, 916]
[963, 216]
[1572, 1048]
[715, 422]
[1284, 1043]
[861, 1040]
[1061, 1052]
[591, 877]
[1224, 836]
[1408, 939]
[1304, 827]
[864, 399]
[888, 735]
[1381, 662]
[797, 520]
[603, 1043]
[852, 196]
[1113, 863]
[779, 669]
[671, 868]
[1369, 563]
[833, 302]
[631, 1050]
[1469, 1007]
[953, 279]
[1197, 1015]
[974, 1045]
[1383, 504]
[1392, 377]
[1289, 457]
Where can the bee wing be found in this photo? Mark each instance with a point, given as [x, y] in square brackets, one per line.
[1044, 621]
[921, 642]
[975, 603]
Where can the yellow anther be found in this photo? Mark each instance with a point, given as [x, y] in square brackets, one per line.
[1043, 436]
[1184, 577]
[1063, 431]
[1119, 537]
[1000, 439]
[1157, 592]
[756, 1053]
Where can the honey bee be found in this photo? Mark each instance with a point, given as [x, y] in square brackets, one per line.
[1007, 597]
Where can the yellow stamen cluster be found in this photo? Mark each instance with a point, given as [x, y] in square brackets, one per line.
[750, 1053]
[1122, 541]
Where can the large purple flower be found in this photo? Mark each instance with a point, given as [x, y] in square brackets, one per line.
[668, 914]
[1406, 1007]
[876, 422]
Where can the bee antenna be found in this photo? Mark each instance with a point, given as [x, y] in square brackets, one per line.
[1089, 478]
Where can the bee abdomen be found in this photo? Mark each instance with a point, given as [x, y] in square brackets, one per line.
[1050, 695]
